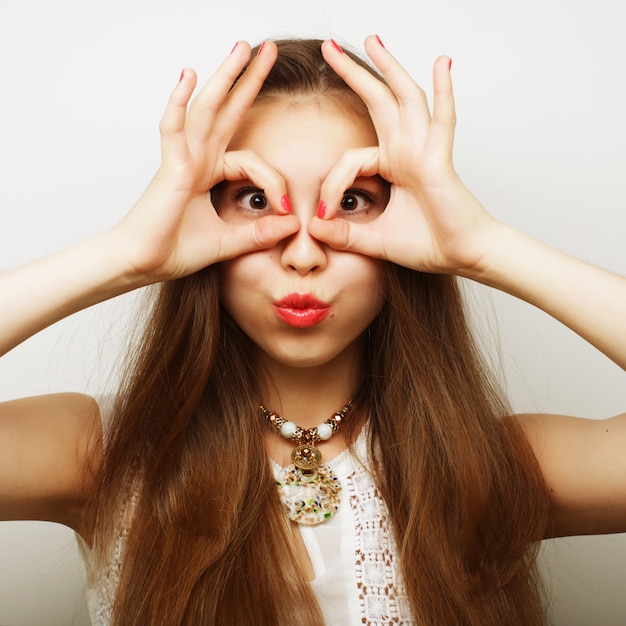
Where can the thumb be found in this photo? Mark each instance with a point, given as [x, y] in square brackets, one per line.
[334, 232]
[348, 236]
[257, 235]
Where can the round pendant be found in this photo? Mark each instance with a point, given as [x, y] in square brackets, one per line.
[309, 498]
[306, 457]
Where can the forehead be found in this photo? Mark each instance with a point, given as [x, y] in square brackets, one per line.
[304, 132]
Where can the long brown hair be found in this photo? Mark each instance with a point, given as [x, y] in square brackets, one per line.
[208, 542]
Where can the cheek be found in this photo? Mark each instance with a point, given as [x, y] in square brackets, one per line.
[234, 275]
[243, 270]
[373, 272]
[245, 283]
[368, 283]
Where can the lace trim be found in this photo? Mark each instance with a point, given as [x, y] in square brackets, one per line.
[382, 594]
[101, 596]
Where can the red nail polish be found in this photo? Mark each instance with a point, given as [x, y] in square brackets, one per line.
[182, 75]
[450, 65]
[382, 45]
[336, 46]
[234, 47]
[321, 210]
[284, 202]
[260, 49]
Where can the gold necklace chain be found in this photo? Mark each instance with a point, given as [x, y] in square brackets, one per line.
[309, 490]
[306, 456]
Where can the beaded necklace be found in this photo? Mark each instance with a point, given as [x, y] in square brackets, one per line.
[309, 490]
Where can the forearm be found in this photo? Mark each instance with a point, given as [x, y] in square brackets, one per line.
[589, 300]
[40, 293]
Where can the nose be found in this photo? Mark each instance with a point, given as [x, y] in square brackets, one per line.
[303, 253]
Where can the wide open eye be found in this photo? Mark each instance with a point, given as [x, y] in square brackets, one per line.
[252, 199]
[356, 201]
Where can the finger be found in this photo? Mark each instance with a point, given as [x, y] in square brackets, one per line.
[335, 233]
[444, 114]
[247, 165]
[219, 108]
[401, 83]
[207, 103]
[246, 90]
[172, 125]
[256, 235]
[351, 165]
[411, 98]
[348, 236]
[377, 96]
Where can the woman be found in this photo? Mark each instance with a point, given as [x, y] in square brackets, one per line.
[305, 228]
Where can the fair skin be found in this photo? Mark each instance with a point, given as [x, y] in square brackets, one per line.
[317, 366]
[431, 223]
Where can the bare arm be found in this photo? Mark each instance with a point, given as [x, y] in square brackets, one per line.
[583, 461]
[433, 223]
[584, 466]
[50, 447]
[173, 230]
[42, 292]
[589, 300]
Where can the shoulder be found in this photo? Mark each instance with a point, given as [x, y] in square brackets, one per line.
[50, 450]
[583, 462]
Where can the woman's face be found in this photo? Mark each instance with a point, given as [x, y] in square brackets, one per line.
[301, 302]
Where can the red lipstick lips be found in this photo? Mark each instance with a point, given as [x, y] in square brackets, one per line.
[301, 310]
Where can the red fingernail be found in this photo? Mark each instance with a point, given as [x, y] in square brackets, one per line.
[182, 75]
[450, 65]
[234, 47]
[380, 42]
[336, 46]
[284, 202]
[260, 49]
[321, 210]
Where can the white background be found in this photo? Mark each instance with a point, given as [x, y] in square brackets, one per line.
[541, 135]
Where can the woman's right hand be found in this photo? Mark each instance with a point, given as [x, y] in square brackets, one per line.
[174, 229]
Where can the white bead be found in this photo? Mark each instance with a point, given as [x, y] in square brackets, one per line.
[324, 431]
[288, 429]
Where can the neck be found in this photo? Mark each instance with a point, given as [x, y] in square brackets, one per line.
[308, 396]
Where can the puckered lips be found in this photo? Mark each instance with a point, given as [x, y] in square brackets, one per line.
[301, 310]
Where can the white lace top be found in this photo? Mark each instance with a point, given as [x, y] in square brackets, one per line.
[357, 577]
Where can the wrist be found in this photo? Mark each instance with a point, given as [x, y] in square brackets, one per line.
[112, 255]
[492, 248]
[47, 290]
[518, 264]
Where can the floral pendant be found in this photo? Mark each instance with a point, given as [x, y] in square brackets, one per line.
[309, 496]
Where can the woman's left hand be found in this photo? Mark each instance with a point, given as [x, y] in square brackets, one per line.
[432, 222]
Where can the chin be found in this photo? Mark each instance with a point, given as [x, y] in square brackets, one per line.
[309, 354]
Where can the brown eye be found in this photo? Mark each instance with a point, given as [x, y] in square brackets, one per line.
[349, 202]
[356, 201]
[252, 200]
[257, 201]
